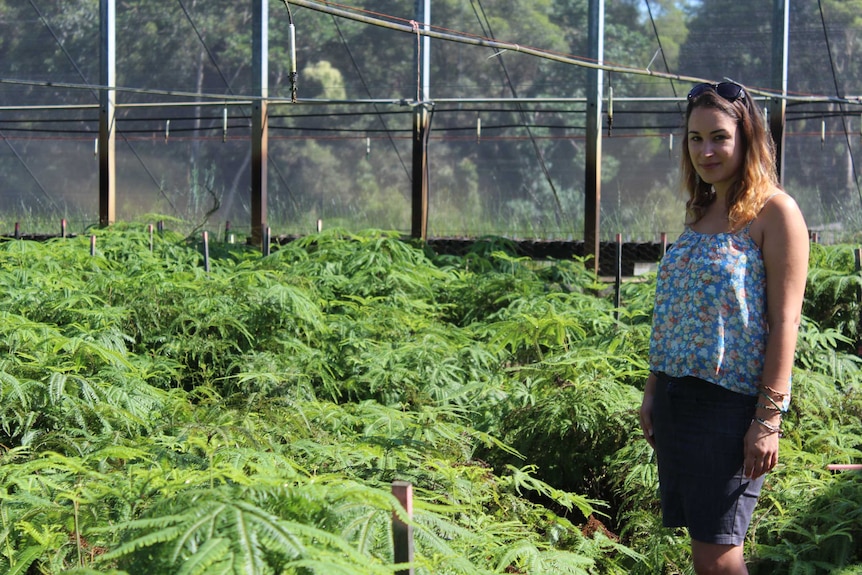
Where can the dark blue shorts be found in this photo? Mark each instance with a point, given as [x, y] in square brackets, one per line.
[699, 430]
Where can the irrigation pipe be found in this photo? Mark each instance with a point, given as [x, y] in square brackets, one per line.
[228, 99]
[544, 54]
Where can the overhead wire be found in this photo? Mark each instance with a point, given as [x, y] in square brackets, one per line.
[838, 94]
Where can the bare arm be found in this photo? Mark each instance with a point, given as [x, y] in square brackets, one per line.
[785, 255]
[646, 409]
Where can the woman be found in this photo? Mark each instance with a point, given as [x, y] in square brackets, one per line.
[727, 310]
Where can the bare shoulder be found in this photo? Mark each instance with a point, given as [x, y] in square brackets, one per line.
[780, 222]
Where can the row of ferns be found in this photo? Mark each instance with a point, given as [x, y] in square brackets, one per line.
[157, 418]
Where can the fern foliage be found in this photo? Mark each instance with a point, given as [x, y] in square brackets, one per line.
[159, 418]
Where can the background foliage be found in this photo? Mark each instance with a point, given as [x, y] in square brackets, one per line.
[156, 418]
[350, 164]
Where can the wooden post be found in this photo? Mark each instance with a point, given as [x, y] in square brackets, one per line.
[402, 533]
[858, 253]
[618, 283]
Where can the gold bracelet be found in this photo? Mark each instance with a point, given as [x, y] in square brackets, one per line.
[772, 401]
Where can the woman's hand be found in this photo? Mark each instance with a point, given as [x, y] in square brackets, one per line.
[646, 410]
[760, 450]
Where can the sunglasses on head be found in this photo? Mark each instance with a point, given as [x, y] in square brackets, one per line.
[730, 91]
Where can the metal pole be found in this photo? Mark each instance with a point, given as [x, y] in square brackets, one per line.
[778, 106]
[419, 225]
[593, 167]
[259, 120]
[107, 117]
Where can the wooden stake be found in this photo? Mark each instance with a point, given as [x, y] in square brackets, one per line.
[206, 252]
[402, 533]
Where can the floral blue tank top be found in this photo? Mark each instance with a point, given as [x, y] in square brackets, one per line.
[710, 310]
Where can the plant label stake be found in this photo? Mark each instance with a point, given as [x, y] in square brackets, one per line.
[206, 252]
[402, 532]
[266, 235]
[150, 233]
[17, 231]
[619, 279]
[63, 228]
[92, 245]
[224, 126]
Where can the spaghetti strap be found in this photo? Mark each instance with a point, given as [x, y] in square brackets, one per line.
[766, 201]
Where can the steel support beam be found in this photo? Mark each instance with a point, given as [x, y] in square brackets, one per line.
[419, 223]
[593, 162]
[778, 106]
[259, 120]
[107, 116]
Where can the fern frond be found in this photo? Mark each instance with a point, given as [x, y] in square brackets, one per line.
[22, 561]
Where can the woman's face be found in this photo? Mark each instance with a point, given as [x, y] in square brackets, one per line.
[715, 147]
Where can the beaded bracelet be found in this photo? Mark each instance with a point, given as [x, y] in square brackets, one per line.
[780, 394]
[769, 426]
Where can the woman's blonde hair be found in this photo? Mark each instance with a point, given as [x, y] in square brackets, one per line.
[758, 177]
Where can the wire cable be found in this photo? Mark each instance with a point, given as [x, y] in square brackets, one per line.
[204, 45]
[838, 94]
[368, 93]
[663, 56]
[523, 114]
[95, 95]
[224, 78]
[29, 171]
